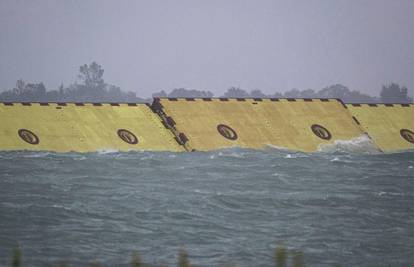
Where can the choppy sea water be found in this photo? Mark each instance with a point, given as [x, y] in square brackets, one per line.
[229, 206]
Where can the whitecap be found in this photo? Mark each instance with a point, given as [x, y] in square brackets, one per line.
[381, 193]
[107, 151]
[335, 159]
[39, 154]
[79, 158]
[361, 144]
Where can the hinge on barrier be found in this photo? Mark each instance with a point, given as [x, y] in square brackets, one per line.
[183, 138]
[170, 121]
[156, 105]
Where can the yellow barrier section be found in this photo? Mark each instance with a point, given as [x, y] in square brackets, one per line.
[391, 126]
[297, 124]
[65, 127]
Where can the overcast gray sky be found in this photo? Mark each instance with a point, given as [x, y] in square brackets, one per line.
[146, 46]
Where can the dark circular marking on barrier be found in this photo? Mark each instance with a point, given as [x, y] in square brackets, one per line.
[227, 132]
[127, 136]
[407, 135]
[28, 136]
[321, 132]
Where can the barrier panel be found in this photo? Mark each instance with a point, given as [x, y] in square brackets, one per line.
[188, 124]
[83, 127]
[391, 126]
[296, 124]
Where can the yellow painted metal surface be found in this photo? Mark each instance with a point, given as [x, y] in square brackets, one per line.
[70, 127]
[284, 123]
[384, 124]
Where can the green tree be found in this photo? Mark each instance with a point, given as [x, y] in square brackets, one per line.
[292, 93]
[257, 94]
[92, 75]
[393, 93]
[236, 92]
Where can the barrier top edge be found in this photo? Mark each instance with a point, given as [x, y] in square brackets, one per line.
[380, 104]
[156, 99]
[243, 99]
[74, 103]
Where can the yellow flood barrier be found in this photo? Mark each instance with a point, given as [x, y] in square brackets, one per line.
[83, 127]
[297, 124]
[391, 126]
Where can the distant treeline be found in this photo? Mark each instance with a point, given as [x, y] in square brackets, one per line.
[92, 88]
[391, 93]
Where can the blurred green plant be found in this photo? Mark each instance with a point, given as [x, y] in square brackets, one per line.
[281, 259]
[64, 264]
[280, 256]
[95, 263]
[183, 260]
[136, 259]
[17, 257]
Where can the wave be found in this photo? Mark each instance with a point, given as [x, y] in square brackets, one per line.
[361, 145]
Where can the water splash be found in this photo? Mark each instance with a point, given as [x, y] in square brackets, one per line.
[362, 144]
